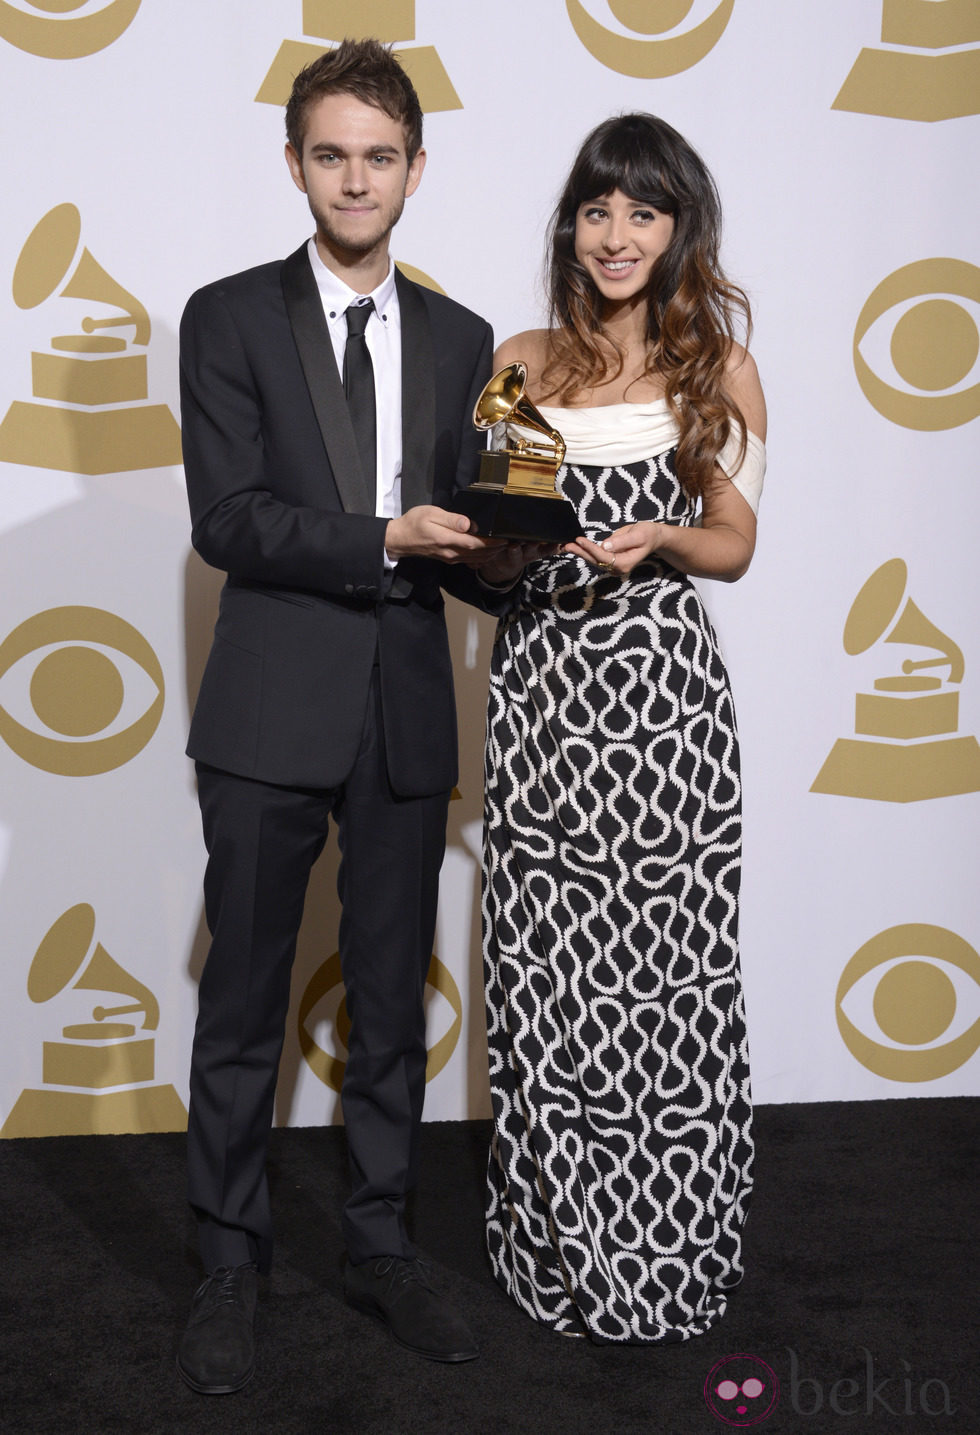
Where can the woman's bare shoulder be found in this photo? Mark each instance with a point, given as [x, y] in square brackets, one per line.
[743, 383]
[532, 347]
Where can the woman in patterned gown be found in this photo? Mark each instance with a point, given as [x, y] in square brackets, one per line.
[620, 1168]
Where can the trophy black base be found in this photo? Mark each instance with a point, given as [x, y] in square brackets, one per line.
[523, 517]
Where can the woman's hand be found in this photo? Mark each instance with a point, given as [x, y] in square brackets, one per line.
[720, 546]
[621, 551]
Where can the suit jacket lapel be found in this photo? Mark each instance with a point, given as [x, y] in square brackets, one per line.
[305, 313]
[418, 396]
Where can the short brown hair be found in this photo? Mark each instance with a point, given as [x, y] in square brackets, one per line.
[367, 70]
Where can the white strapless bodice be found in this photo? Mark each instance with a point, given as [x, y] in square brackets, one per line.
[618, 434]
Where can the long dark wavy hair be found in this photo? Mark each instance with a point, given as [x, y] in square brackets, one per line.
[692, 309]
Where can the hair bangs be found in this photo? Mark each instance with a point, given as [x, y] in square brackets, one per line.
[622, 158]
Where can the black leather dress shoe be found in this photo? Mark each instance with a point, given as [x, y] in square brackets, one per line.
[216, 1355]
[398, 1292]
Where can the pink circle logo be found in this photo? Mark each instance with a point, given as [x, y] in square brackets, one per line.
[741, 1390]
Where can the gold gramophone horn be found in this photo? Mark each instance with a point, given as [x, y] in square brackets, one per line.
[63, 957]
[504, 400]
[876, 607]
[90, 281]
[914, 628]
[46, 262]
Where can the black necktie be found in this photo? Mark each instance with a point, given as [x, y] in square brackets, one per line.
[359, 388]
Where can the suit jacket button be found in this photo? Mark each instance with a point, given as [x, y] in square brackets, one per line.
[348, 587]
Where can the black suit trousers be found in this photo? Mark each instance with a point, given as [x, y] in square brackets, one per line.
[262, 842]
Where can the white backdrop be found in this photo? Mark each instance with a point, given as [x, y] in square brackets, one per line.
[136, 154]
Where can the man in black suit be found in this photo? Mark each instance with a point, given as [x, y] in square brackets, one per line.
[326, 405]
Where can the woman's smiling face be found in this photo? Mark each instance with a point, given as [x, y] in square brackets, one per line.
[618, 241]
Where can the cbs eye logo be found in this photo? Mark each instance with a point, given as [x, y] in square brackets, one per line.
[419, 276]
[930, 344]
[651, 59]
[69, 36]
[81, 691]
[325, 1001]
[910, 982]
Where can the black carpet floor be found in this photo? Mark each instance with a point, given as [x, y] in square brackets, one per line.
[861, 1293]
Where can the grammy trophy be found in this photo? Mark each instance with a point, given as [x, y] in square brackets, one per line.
[515, 495]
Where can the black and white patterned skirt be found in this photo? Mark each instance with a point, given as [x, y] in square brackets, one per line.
[620, 1168]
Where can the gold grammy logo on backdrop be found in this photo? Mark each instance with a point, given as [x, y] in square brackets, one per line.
[649, 59]
[934, 345]
[97, 711]
[906, 749]
[83, 1070]
[906, 84]
[69, 38]
[327, 982]
[388, 20]
[914, 1001]
[93, 417]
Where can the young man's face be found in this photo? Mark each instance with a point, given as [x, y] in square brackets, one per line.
[356, 176]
